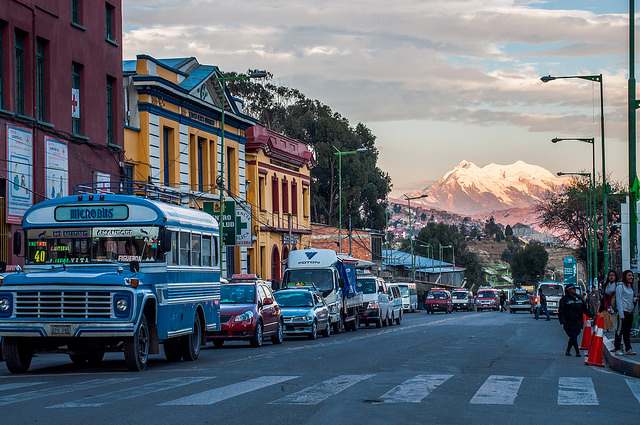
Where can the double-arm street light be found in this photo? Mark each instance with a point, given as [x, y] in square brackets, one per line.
[340, 154]
[592, 244]
[605, 213]
[442, 248]
[223, 80]
[413, 268]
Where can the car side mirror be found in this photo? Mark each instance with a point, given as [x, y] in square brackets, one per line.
[267, 301]
[17, 242]
[165, 240]
[341, 282]
[3, 266]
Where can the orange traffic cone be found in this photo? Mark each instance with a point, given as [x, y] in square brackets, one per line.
[584, 319]
[595, 351]
[586, 336]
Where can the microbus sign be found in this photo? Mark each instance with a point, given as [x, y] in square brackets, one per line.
[92, 213]
[570, 271]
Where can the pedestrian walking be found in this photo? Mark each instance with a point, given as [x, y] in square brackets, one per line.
[542, 305]
[503, 300]
[625, 303]
[594, 299]
[570, 312]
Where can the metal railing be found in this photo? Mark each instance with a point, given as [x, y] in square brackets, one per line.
[134, 188]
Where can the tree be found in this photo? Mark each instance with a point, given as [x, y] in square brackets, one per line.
[364, 186]
[528, 264]
[491, 228]
[508, 231]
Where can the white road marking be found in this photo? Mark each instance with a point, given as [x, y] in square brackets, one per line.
[6, 387]
[414, 390]
[64, 389]
[129, 393]
[229, 391]
[322, 391]
[498, 389]
[577, 392]
[634, 386]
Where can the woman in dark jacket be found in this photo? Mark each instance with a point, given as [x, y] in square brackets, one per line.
[570, 312]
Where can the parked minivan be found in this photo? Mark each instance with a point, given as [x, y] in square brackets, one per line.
[553, 291]
[462, 299]
[409, 296]
[395, 303]
[375, 306]
[487, 299]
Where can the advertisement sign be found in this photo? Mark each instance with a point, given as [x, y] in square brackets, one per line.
[243, 225]
[236, 222]
[57, 176]
[570, 271]
[19, 181]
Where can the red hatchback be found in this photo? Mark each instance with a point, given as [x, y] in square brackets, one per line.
[438, 300]
[248, 312]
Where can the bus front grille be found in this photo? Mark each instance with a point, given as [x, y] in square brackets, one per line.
[63, 304]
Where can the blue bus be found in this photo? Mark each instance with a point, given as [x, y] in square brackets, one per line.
[111, 272]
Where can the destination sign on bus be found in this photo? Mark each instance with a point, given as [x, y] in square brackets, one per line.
[92, 213]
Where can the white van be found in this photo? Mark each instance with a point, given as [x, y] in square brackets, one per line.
[409, 296]
[376, 306]
[553, 291]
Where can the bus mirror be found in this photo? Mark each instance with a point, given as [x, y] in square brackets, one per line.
[165, 240]
[341, 282]
[134, 266]
[17, 242]
[3, 266]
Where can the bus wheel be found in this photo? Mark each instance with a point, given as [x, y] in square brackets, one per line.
[191, 343]
[17, 354]
[172, 349]
[136, 348]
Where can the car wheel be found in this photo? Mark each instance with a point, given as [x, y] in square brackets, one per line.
[399, 319]
[191, 343]
[314, 330]
[327, 332]
[172, 349]
[136, 348]
[17, 354]
[218, 343]
[279, 336]
[385, 321]
[379, 322]
[337, 327]
[256, 339]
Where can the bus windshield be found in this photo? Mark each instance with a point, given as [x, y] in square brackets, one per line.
[92, 245]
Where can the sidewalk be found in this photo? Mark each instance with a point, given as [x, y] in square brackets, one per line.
[629, 365]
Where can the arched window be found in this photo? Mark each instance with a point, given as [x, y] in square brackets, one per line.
[275, 264]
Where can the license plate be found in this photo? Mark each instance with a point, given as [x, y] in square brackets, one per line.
[60, 329]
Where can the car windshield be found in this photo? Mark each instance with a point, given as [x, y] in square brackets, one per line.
[459, 295]
[323, 279]
[237, 294]
[551, 290]
[294, 299]
[520, 297]
[404, 290]
[486, 294]
[436, 296]
[366, 286]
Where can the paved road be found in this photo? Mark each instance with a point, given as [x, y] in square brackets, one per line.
[477, 368]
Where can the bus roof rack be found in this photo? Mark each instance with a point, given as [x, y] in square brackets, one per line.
[134, 188]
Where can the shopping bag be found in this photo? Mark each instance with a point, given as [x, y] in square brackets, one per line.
[606, 320]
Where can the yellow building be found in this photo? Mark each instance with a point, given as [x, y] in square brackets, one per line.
[172, 134]
[278, 178]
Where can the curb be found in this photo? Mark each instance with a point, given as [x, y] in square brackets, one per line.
[622, 364]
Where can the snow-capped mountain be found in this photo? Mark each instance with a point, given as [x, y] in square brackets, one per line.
[469, 189]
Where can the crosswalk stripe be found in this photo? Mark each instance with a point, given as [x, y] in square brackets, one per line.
[498, 389]
[634, 386]
[129, 393]
[322, 391]
[6, 387]
[229, 391]
[414, 390]
[52, 392]
[576, 392]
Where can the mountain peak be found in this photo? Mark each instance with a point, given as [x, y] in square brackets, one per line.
[464, 164]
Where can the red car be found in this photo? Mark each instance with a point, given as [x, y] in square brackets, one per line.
[248, 312]
[438, 300]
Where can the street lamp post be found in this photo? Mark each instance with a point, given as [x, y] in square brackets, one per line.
[592, 245]
[413, 269]
[605, 213]
[442, 247]
[223, 81]
[339, 154]
[593, 198]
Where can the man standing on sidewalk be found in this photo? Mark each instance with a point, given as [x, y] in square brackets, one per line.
[543, 305]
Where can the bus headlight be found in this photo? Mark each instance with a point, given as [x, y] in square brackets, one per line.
[6, 304]
[122, 304]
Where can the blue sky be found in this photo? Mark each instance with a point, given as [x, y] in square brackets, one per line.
[437, 81]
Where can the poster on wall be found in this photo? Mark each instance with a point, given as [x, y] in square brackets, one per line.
[20, 179]
[57, 160]
[102, 182]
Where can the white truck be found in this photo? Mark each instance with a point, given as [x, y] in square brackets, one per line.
[334, 275]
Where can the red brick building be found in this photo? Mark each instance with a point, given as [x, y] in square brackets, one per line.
[360, 244]
[61, 102]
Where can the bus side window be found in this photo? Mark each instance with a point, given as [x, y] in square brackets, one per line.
[206, 250]
[185, 243]
[215, 251]
[173, 256]
[195, 249]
